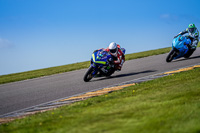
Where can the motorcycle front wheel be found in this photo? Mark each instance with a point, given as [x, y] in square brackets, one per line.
[170, 56]
[88, 75]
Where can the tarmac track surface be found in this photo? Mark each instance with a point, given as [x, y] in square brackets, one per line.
[23, 94]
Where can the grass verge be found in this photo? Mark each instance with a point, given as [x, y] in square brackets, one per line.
[66, 68]
[168, 104]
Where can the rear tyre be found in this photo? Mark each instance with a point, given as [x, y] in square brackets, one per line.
[170, 56]
[189, 53]
[88, 75]
[110, 73]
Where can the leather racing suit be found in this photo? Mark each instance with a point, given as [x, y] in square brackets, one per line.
[119, 59]
[194, 37]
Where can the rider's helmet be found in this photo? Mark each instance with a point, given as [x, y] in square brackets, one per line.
[191, 28]
[113, 48]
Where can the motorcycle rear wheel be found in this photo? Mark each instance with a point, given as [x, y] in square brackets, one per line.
[88, 75]
[110, 73]
[190, 52]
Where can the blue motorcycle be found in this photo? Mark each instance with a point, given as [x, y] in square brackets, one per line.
[179, 48]
[101, 65]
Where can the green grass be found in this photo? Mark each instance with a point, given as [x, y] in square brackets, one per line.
[166, 105]
[42, 72]
[66, 68]
[147, 53]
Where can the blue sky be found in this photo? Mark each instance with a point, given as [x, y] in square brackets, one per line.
[37, 34]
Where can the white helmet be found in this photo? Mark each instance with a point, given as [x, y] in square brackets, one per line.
[113, 48]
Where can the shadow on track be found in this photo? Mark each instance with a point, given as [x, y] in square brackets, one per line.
[124, 75]
[194, 57]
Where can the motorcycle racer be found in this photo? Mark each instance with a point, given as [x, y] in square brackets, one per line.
[118, 54]
[193, 35]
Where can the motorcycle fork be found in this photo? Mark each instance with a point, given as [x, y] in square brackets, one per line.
[95, 69]
[176, 53]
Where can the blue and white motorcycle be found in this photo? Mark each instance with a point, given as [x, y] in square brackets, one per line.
[179, 48]
[101, 65]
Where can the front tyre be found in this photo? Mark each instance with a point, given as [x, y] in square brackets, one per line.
[88, 75]
[170, 56]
